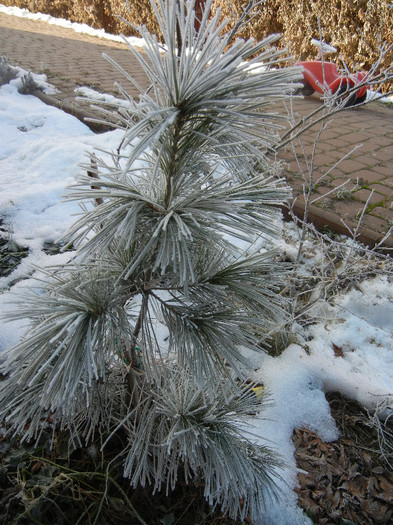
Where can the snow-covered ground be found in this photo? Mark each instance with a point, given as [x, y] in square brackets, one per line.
[40, 149]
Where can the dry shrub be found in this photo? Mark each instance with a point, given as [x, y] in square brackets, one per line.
[95, 13]
[106, 14]
[57, 8]
[100, 14]
[357, 28]
[139, 13]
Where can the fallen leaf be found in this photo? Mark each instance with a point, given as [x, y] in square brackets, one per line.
[386, 493]
[357, 487]
[373, 487]
[36, 466]
[338, 351]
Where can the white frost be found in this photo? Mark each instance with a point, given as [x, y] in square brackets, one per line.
[40, 150]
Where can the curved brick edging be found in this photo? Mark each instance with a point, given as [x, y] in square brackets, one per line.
[72, 110]
[324, 219]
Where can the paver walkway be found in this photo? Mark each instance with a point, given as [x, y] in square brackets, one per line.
[70, 59]
[362, 182]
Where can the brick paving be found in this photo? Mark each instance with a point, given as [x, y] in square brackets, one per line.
[71, 59]
[367, 134]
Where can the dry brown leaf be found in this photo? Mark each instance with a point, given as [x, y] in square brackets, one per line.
[353, 471]
[372, 487]
[386, 493]
[355, 518]
[338, 351]
[386, 496]
[367, 459]
[340, 483]
[306, 480]
[357, 487]
[309, 504]
[370, 507]
[319, 495]
[335, 503]
[36, 466]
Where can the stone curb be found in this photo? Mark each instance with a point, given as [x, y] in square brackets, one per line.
[320, 218]
[75, 112]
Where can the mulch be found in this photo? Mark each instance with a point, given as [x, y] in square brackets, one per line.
[347, 481]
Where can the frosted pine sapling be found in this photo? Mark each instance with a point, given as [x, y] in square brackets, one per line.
[144, 329]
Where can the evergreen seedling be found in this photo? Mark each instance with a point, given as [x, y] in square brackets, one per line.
[144, 331]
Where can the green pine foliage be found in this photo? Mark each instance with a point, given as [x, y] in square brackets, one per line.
[144, 330]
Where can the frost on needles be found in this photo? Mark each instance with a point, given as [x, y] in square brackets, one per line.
[143, 330]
